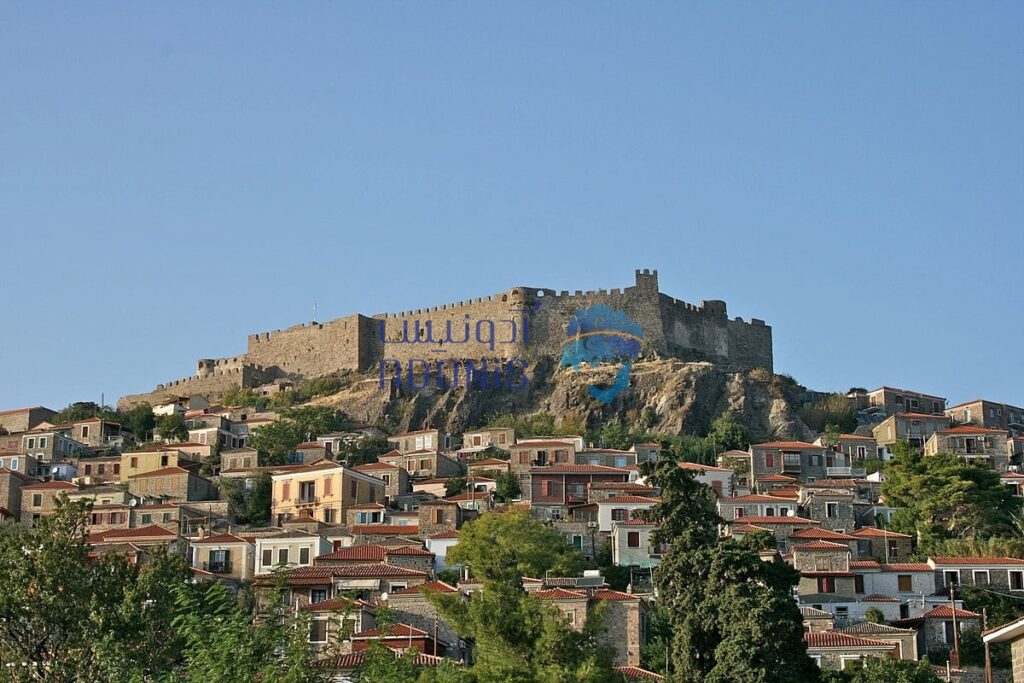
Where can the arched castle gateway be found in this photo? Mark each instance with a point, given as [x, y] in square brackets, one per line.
[521, 323]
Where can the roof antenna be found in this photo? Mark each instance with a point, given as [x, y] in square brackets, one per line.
[314, 310]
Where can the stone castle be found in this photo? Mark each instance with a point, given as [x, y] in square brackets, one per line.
[522, 323]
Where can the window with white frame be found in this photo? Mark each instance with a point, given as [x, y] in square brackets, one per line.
[981, 577]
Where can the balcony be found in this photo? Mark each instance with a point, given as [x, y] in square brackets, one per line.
[844, 472]
[306, 500]
[223, 567]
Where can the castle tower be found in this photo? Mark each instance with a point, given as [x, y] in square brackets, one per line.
[647, 281]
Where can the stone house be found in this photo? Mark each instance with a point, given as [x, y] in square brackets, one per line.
[324, 491]
[527, 455]
[816, 620]
[989, 414]
[288, 549]
[173, 482]
[487, 467]
[19, 462]
[855, 447]
[936, 627]
[975, 444]
[756, 505]
[335, 620]
[100, 469]
[894, 401]
[816, 533]
[799, 459]
[24, 419]
[47, 444]
[883, 545]
[401, 636]
[780, 527]
[438, 516]
[609, 457]
[1012, 633]
[410, 606]
[366, 513]
[396, 479]
[420, 440]
[624, 618]
[40, 499]
[580, 532]
[833, 507]
[836, 651]
[226, 556]
[914, 428]
[385, 533]
[423, 463]
[146, 538]
[904, 638]
[11, 483]
[720, 479]
[551, 490]
[95, 432]
[1001, 573]
[600, 490]
[499, 437]
[140, 462]
[311, 585]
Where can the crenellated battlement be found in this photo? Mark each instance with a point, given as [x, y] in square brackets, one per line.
[531, 322]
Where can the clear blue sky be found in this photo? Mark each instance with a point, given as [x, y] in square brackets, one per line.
[174, 176]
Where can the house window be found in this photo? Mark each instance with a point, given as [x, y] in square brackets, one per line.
[147, 518]
[858, 584]
[850, 662]
[947, 632]
[164, 461]
[633, 539]
[826, 584]
[303, 556]
[1016, 580]
[42, 442]
[100, 469]
[831, 510]
[952, 578]
[620, 462]
[282, 556]
[620, 515]
[117, 468]
[317, 595]
[547, 487]
[353, 489]
[769, 512]
[842, 613]
[904, 583]
[769, 460]
[37, 500]
[31, 443]
[980, 577]
[88, 469]
[577, 541]
[327, 486]
[268, 557]
[329, 516]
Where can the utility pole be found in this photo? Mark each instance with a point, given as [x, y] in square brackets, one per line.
[954, 656]
[988, 652]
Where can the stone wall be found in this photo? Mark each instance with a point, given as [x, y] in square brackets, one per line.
[521, 323]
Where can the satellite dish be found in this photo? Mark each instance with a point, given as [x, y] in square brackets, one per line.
[791, 513]
[384, 597]
[133, 502]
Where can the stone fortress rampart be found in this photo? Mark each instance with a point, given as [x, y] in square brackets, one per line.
[520, 323]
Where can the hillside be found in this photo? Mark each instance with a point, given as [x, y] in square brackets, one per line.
[668, 397]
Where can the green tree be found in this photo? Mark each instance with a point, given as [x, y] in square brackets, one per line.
[83, 410]
[250, 505]
[732, 615]
[139, 420]
[172, 427]
[455, 486]
[833, 409]
[295, 425]
[365, 450]
[383, 665]
[507, 487]
[505, 546]
[236, 395]
[727, 433]
[942, 497]
[888, 670]
[873, 615]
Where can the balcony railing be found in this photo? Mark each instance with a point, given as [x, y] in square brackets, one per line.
[306, 500]
[844, 472]
[223, 567]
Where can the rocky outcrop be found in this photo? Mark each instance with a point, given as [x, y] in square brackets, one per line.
[669, 397]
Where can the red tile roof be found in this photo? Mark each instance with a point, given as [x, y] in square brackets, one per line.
[822, 535]
[609, 594]
[702, 468]
[864, 564]
[221, 539]
[386, 529]
[578, 469]
[559, 594]
[445, 534]
[754, 498]
[628, 499]
[166, 471]
[152, 531]
[487, 461]
[871, 532]
[65, 485]
[367, 506]
[748, 529]
[976, 560]
[946, 612]
[375, 466]
[830, 639]
[906, 567]
[967, 429]
[776, 477]
[750, 519]
[785, 444]
[356, 553]
[634, 672]
[429, 587]
[392, 631]
[541, 444]
[822, 545]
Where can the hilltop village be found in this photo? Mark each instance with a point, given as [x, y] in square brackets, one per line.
[877, 529]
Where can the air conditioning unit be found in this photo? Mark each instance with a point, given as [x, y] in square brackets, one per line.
[591, 525]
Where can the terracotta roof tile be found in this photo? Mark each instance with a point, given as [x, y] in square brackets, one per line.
[833, 639]
[976, 560]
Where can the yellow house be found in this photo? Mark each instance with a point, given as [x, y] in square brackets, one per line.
[143, 462]
[324, 491]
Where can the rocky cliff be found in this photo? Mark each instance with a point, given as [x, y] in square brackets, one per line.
[668, 397]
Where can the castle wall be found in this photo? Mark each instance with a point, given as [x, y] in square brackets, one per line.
[211, 383]
[705, 332]
[315, 349]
